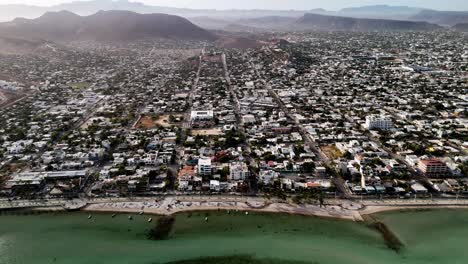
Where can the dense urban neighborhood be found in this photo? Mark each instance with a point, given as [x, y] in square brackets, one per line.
[233, 132]
[303, 117]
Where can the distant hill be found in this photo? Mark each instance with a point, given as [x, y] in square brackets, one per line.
[86, 8]
[336, 23]
[18, 46]
[448, 18]
[89, 7]
[318, 22]
[461, 27]
[103, 26]
[239, 43]
[380, 11]
[10, 12]
[210, 22]
[268, 22]
[245, 24]
[242, 28]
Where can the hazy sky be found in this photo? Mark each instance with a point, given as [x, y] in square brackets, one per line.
[278, 4]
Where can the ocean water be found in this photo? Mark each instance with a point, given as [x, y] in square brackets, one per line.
[436, 236]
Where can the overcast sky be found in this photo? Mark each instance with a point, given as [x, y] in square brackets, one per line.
[278, 4]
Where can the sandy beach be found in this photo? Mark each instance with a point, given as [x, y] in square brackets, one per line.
[339, 209]
[170, 206]
[352, 210]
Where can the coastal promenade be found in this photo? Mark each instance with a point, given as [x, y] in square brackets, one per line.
[172, 205]
[333, 208]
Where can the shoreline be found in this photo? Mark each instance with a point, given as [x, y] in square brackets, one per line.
[371, 210]
[347, 210]
[334, 209]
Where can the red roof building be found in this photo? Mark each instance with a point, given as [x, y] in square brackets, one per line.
[433, 168]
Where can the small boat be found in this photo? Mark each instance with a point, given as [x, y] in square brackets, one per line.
[114, 215]
[246, 213]
[141, 213]
[90, 216]
[229, 212]
[206, 219]
[130, 217]
[150, 220]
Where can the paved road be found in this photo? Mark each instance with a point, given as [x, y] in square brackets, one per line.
[187, 122]
[305, 135]
[253, 181]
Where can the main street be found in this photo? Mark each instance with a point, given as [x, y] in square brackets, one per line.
[187, 123]
[241, 125]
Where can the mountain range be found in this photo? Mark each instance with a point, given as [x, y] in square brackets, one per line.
[65, 26]
[312, 21]
[336, 23]
[119, 25]
[463, 27]
[89, 7]
[448, 18]
[86, 8]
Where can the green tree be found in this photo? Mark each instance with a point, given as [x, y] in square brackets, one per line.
[308, 167]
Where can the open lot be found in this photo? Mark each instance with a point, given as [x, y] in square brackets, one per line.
[152, 121]
[207, 132]
[332, 152]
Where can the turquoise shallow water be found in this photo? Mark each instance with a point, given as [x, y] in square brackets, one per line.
[430, 237]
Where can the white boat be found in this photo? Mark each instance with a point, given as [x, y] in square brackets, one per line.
[150, 220]
[206, 219]
[90, 216]
[130, 217]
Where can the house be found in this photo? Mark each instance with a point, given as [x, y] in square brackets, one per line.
[268, 176]
[418, 188]
[238, 171]
[248, 119]
[215, 186]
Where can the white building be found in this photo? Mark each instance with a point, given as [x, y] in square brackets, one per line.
[204, 167]
[215, 185]
[201, 115]
[412, 160]
[379, 122]
[248, 119]
[268, 176]
[238, 171]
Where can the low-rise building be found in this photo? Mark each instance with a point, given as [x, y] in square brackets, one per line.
[204, 167]
[201, 116]
[433, 168]
[238, 171]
